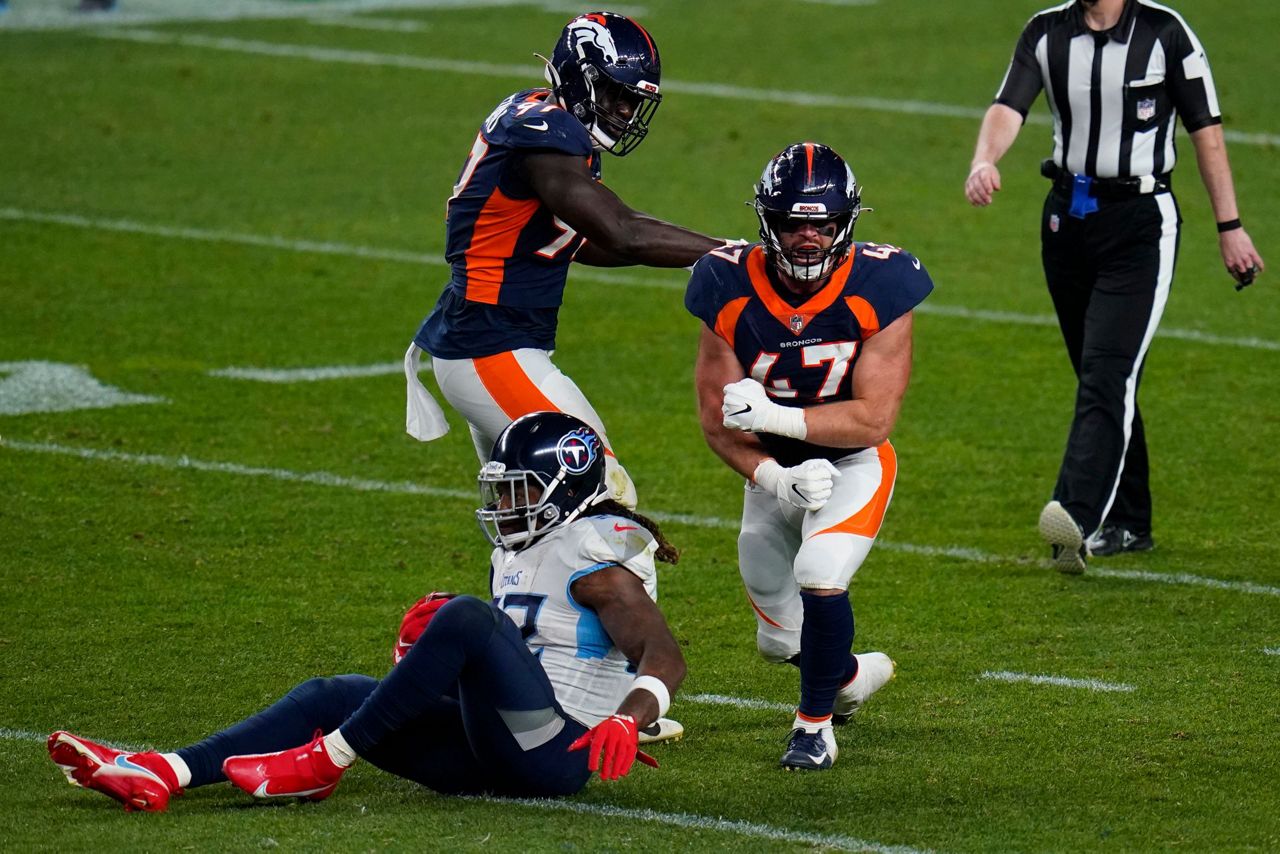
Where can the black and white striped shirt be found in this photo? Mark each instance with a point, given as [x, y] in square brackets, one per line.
[1115, 95]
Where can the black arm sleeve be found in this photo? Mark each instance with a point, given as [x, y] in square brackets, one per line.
[1023, 81]
[1188, 79]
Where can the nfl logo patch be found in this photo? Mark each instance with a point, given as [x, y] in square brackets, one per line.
[1146, 109]
[1053, 223]
[797, 324]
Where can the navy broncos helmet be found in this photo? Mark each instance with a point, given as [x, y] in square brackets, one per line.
[545, 469]
[602, 62]
[807, 182]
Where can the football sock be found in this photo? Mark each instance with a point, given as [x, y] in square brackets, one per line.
[317, 704]
[825, 638]
[180, 770]
[339, 751]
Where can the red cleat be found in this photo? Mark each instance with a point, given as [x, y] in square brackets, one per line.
[140, 781]
[302, 772]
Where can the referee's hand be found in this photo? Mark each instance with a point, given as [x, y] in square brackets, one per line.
[1242, 260]
[983, 181]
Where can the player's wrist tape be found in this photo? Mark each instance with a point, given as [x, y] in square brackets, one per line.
[657, 688]
[1229, 225]
[767, 474]
[789, 421]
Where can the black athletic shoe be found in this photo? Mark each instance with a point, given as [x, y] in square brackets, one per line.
[1112, 540]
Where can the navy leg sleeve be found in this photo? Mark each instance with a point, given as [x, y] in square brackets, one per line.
[825, 638]
[315, 704]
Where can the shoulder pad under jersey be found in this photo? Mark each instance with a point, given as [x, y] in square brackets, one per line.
[532, 119]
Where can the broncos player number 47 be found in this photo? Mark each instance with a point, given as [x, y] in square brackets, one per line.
[803, 361]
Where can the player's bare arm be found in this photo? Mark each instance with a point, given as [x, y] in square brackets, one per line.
[616, 234]
[638, 629]
[716, 367]
[880, 378]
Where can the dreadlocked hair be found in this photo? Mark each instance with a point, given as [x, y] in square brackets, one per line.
[666, 553]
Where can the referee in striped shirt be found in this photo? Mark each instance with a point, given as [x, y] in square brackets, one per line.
[1117, 75]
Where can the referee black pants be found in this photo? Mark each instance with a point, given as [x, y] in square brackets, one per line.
[1109, 276]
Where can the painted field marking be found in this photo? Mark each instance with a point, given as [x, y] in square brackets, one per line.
[786, 97]
[55, 15]
[1273, 650]
[310, 375]
[1060, 681]
[408, 488]
[386, 25]
[720, 825]
[37, 386]
[580, 272]
[737, 702]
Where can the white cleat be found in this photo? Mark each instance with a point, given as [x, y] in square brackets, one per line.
[663, 729]
[1062, 533]
[875, 669]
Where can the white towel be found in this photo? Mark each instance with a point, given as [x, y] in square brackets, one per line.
[424, 419]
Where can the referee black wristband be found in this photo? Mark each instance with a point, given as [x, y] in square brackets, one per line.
[1229, 225]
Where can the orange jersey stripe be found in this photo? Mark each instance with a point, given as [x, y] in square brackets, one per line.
[493, 242]
[727, 319]
[866, 522]
[866, 314]
[779, 308]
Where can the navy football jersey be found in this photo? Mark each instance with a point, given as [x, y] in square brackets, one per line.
[803, 349]
[509, 255]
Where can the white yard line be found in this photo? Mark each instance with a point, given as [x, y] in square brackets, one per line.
[409, 488]
[737, 702]
[386, 25]
[580, 272]
[60, 14]
[309, 375]
[1059, 681]
[786, 97]
[1274, 650]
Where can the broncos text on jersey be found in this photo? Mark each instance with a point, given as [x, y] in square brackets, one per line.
[509, 255]
[803, 349]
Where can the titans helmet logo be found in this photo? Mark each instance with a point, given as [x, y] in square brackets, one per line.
[577, 451]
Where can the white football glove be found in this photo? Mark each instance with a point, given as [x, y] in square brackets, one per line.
[807, 486]
[747, 407]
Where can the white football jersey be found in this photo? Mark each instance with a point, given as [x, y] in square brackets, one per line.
[590, 675]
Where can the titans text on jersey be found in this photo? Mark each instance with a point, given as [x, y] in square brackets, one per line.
[508, 253]
[802, 348]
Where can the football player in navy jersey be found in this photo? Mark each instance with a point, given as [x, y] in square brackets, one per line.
[802, 366]
[528, 202]
[522, 696]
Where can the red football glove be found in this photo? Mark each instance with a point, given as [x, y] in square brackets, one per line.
[415, 622]
[613, 744]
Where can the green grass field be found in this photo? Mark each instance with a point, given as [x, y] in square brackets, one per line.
[178, 197]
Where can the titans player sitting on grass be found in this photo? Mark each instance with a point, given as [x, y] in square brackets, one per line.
[524, 697]
[802, 366]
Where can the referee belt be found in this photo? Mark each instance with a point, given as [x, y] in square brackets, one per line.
[1104, 188]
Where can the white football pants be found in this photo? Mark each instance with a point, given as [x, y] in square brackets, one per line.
[783, 549]
[492, 391]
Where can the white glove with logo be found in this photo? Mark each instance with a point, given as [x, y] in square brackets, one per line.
[807, 486]
[747, 407]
